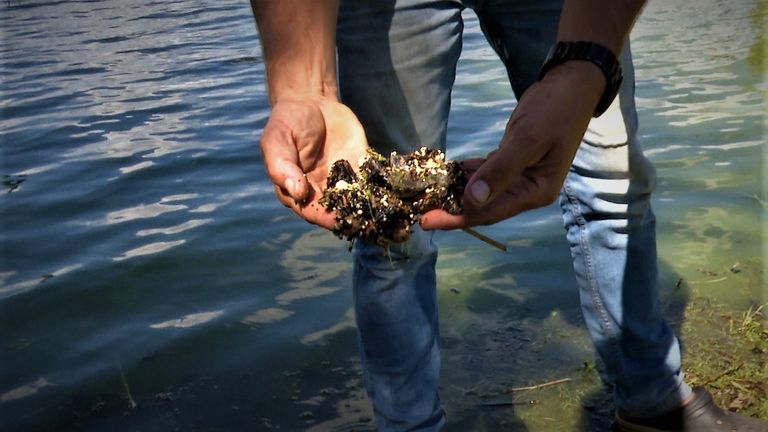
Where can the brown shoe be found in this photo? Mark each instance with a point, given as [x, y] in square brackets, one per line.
[701, 414]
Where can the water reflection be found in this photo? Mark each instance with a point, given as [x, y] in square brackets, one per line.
[149, 249]
[141, 211]
[136, 167]
[692, 65]
[267, 316]
[188, 225]
[190, 320]
[347, 323]
[25, 285]
[24, 390]
[316, 264]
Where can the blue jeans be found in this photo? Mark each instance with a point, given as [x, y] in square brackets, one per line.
[397, 63]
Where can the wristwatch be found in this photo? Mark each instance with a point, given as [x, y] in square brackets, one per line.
[596, 53]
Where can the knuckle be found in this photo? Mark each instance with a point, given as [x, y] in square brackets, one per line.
[546, 198]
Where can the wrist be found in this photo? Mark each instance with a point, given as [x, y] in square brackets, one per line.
[292, 92]
[582, 74]
[587, 61]
[295, 80]
[581, 80]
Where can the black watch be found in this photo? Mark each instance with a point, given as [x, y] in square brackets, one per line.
[600, 55]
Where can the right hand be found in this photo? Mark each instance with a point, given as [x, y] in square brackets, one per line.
[302, 139]
[536, 151]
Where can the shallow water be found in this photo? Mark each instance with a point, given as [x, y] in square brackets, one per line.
[145, 260]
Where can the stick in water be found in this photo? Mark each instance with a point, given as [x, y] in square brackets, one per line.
[486, 239]
[538, 386]
[131, 403]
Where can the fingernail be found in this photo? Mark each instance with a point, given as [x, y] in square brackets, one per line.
[480, 191]
[290, 186]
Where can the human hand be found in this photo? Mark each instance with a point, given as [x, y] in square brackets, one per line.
[537, 149]
[302, 139]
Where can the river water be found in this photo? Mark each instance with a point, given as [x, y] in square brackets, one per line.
[150, 281]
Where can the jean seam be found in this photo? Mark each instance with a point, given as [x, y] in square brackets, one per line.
[591, 279]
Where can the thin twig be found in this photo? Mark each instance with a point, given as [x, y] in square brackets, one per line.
[708, 281]
[503, 403]
[727, 372]
[542, 385]
[131, 403]
[757, 198]
[498, 245]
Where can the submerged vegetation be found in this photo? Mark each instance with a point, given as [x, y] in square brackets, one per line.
[725, 351]
[728, 353]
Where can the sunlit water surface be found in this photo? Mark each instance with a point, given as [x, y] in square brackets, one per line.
[150, 281]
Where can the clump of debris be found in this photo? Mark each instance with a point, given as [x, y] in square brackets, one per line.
[388, 195]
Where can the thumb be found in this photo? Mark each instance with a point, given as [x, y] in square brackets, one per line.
[498, 171]
[292, 180]
[282, 161]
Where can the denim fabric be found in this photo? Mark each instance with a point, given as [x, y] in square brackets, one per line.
[611, 229]
[396, 314]
[397, 62]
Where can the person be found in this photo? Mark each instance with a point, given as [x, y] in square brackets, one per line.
[379, 73]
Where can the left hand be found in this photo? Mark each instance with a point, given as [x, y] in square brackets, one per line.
[540, 141]
[303, 137]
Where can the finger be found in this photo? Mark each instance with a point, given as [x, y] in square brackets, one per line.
[317, 215]
[284, 197]
[314, 212]
[310, 210]
[442, 220]
[521, 196]
[471, 165]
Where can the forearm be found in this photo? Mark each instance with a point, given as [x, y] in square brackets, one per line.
[298, 39]
[607, 22]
